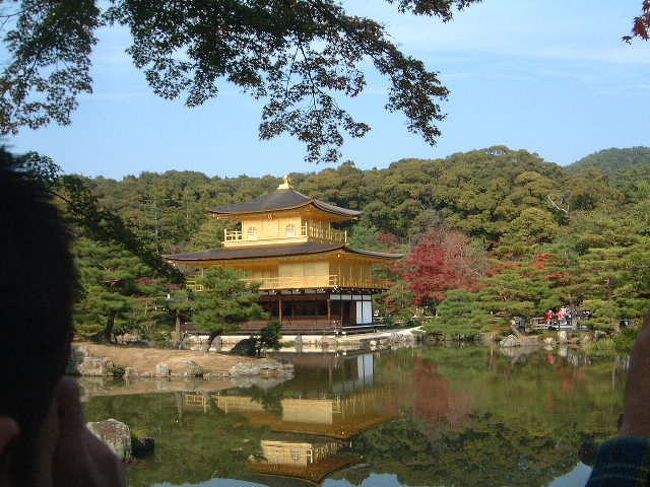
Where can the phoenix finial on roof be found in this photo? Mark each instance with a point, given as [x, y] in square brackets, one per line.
[286, 184]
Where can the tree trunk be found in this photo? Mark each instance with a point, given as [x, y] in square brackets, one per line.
[211, 337]
[110, 324]
[179, 341]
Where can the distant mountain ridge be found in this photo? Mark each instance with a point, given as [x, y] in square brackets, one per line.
[613, 161]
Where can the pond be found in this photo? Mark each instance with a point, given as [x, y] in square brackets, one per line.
[430, 416]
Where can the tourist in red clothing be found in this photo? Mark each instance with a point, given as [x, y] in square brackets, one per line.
[549, 317]
[561, 316]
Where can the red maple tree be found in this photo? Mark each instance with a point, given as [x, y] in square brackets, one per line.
[442, 260]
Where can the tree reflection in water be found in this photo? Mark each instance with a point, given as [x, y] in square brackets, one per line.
[430, 416]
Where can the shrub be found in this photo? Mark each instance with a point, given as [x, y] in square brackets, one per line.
[117, 371]
[246, 347]
[269, 338]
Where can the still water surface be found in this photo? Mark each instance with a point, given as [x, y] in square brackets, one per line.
[410, 417]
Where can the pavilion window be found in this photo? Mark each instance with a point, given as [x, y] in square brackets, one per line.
[290, 230]
[251, 233]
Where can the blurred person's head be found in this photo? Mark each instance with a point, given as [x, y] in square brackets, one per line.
[37, 281]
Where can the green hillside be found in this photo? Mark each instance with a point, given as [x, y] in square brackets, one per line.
[611, 161]
[487, 235]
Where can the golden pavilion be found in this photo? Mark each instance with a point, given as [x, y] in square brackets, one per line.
[310, 278]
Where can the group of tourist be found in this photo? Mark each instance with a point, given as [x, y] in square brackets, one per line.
[566, 316]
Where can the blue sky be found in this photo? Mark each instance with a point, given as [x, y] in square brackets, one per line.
[549, 76]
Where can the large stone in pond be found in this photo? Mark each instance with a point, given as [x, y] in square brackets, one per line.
[78, 353]
[509, 341]
[162, 370]
[96, 366]
[263, 367]
[131, 373]
[115, 434]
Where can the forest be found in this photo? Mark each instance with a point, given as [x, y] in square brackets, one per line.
[487, 235]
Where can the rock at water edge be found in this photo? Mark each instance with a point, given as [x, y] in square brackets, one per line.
[78, 353]
[96, 366]
[131, 373]
[509, 341]
[116, 435]
[162, 370]
[261, 367]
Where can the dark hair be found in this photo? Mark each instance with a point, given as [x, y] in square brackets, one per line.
[37, 284]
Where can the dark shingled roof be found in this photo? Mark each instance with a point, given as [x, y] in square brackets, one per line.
[372, 253]
[281, 199]
[266, 251]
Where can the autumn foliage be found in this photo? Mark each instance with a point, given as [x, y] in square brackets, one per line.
[555, 267]
[442, 260]
[641, 24]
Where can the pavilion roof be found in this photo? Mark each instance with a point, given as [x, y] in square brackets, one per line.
[269, 251]
[281, 199]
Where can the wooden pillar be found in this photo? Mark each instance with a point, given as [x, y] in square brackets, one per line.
[280, 307]
[339, 278]
[329, 311]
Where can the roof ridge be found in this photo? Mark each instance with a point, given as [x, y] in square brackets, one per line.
[281, 199]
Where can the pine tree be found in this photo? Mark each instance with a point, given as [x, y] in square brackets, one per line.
[225, 303]
[115, 290]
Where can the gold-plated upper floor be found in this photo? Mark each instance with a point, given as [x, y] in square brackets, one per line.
[259, 233]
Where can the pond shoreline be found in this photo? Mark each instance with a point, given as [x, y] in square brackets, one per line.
[130, 362]
[325, 342]
[137, 362]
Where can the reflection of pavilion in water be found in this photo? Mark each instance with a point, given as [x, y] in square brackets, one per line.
[334, 373]
[337, 417]
[306, 458]
[309, 429]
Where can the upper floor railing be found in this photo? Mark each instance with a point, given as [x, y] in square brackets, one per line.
[309, 230]
[307, 282]
[295, 282]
